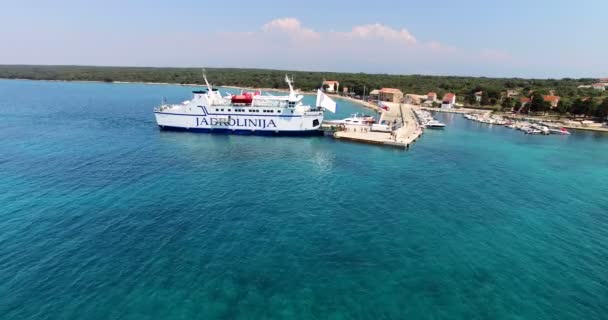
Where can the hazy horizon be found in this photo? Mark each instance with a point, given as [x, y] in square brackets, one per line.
[296, 70]
[545, 39]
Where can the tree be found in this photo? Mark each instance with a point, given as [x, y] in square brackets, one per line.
[589, 107]
[577, 107]
[485, 98]
[602, 110]
[563, 106]
[538, 103]
[507, 104]
[471, 99]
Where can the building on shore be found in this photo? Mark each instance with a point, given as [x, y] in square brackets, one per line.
[374, 95]
[449, 100]
[390, 95]
[478, 96]
[431, 97]
[523, 102]
[416, 99]
[552, 100]
[331, 86]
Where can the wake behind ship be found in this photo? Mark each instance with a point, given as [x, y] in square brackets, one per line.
[247, 113]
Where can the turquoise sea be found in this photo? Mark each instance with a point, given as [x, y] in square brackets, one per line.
[103, 216]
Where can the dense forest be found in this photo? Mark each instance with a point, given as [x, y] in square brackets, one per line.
[584, 100]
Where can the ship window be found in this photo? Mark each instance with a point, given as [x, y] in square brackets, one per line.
[278, 111]
[315, 122]
[291, 111]
[228, 110]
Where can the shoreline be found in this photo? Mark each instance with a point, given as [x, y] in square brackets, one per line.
[365, 104]
[333, 95]
[468, 110]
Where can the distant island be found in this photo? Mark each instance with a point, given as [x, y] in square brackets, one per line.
[586, 96]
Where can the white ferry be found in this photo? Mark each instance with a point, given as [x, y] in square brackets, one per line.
[247, 113]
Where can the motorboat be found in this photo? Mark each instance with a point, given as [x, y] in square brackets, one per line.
[561, 131]
[434, 124]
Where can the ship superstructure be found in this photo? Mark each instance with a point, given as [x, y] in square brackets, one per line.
[245, 113]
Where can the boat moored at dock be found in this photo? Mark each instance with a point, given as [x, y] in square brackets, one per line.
[246, 113]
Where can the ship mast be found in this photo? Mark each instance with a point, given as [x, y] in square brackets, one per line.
[292, 94]
[206, 82]
[210, 94]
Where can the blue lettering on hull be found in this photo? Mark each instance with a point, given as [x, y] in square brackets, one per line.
[235, 122]
[246, 131]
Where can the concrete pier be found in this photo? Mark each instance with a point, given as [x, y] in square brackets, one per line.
[400, 116]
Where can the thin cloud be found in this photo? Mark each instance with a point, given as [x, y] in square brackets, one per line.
[291, 26]
[495, 55]
[294, 27]
[380, 31]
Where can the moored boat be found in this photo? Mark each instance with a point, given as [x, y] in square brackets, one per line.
[434, 124]
[246, 113]
[560, 131]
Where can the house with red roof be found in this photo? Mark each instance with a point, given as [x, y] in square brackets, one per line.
[449, 100]
[390, 95]
[599, 86]
[331, 86]
[553, 100]
[431, 97]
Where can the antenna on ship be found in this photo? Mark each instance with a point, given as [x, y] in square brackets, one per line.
[289, 83]
[206, 82]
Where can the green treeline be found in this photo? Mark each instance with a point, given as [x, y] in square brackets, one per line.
[464, 87]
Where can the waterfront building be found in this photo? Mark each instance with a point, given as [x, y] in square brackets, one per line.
[449, 100]
[431, 97]
[478, 96]
[553, 100]
[374, 94]
[331, 86]
[390, 95]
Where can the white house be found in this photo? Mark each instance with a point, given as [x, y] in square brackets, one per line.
[478, 96]
[449, 100]
[332, 86]
[599, 86]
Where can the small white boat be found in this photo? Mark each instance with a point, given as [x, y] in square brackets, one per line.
[434, 124]
[561, 131]
[355, 120]
[533, 131]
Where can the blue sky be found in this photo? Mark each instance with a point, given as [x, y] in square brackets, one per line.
[469, 37]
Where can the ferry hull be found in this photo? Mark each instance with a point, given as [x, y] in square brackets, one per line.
[306, 133]
[306, 125]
